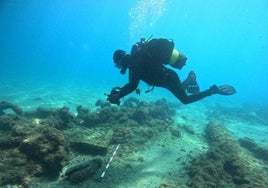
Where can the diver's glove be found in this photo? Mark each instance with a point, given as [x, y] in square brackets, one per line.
[213, 90]
[114, 99]
[114, 96]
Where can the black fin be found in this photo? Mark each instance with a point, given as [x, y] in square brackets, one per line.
[226, 90]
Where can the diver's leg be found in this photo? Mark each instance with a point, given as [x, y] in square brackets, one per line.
[174, 85]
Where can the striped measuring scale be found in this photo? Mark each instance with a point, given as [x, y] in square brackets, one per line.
[110, 160]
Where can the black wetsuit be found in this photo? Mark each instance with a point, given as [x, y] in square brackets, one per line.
[145, 65]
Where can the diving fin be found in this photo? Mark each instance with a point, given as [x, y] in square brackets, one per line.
[226, 90]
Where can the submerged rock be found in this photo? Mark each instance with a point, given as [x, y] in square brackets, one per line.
[49, 148]
[4, 105]
[88, 148]
[34, 145]
[15, 168]
[102, 103]
[7, 121]
[60, 118]
[43, 112]
[258, 151]
[83, 171]
[225, 164]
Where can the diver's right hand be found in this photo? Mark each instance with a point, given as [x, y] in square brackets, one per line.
[114, 96]
[114, 99]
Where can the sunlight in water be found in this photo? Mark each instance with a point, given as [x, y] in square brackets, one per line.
[144, 15]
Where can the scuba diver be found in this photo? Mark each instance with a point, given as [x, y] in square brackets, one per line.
[147, 62]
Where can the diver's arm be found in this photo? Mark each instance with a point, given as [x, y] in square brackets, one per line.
[119, 92]
[131, 85]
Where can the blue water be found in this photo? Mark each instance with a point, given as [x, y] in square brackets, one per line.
[56, 53]
[61, 42]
